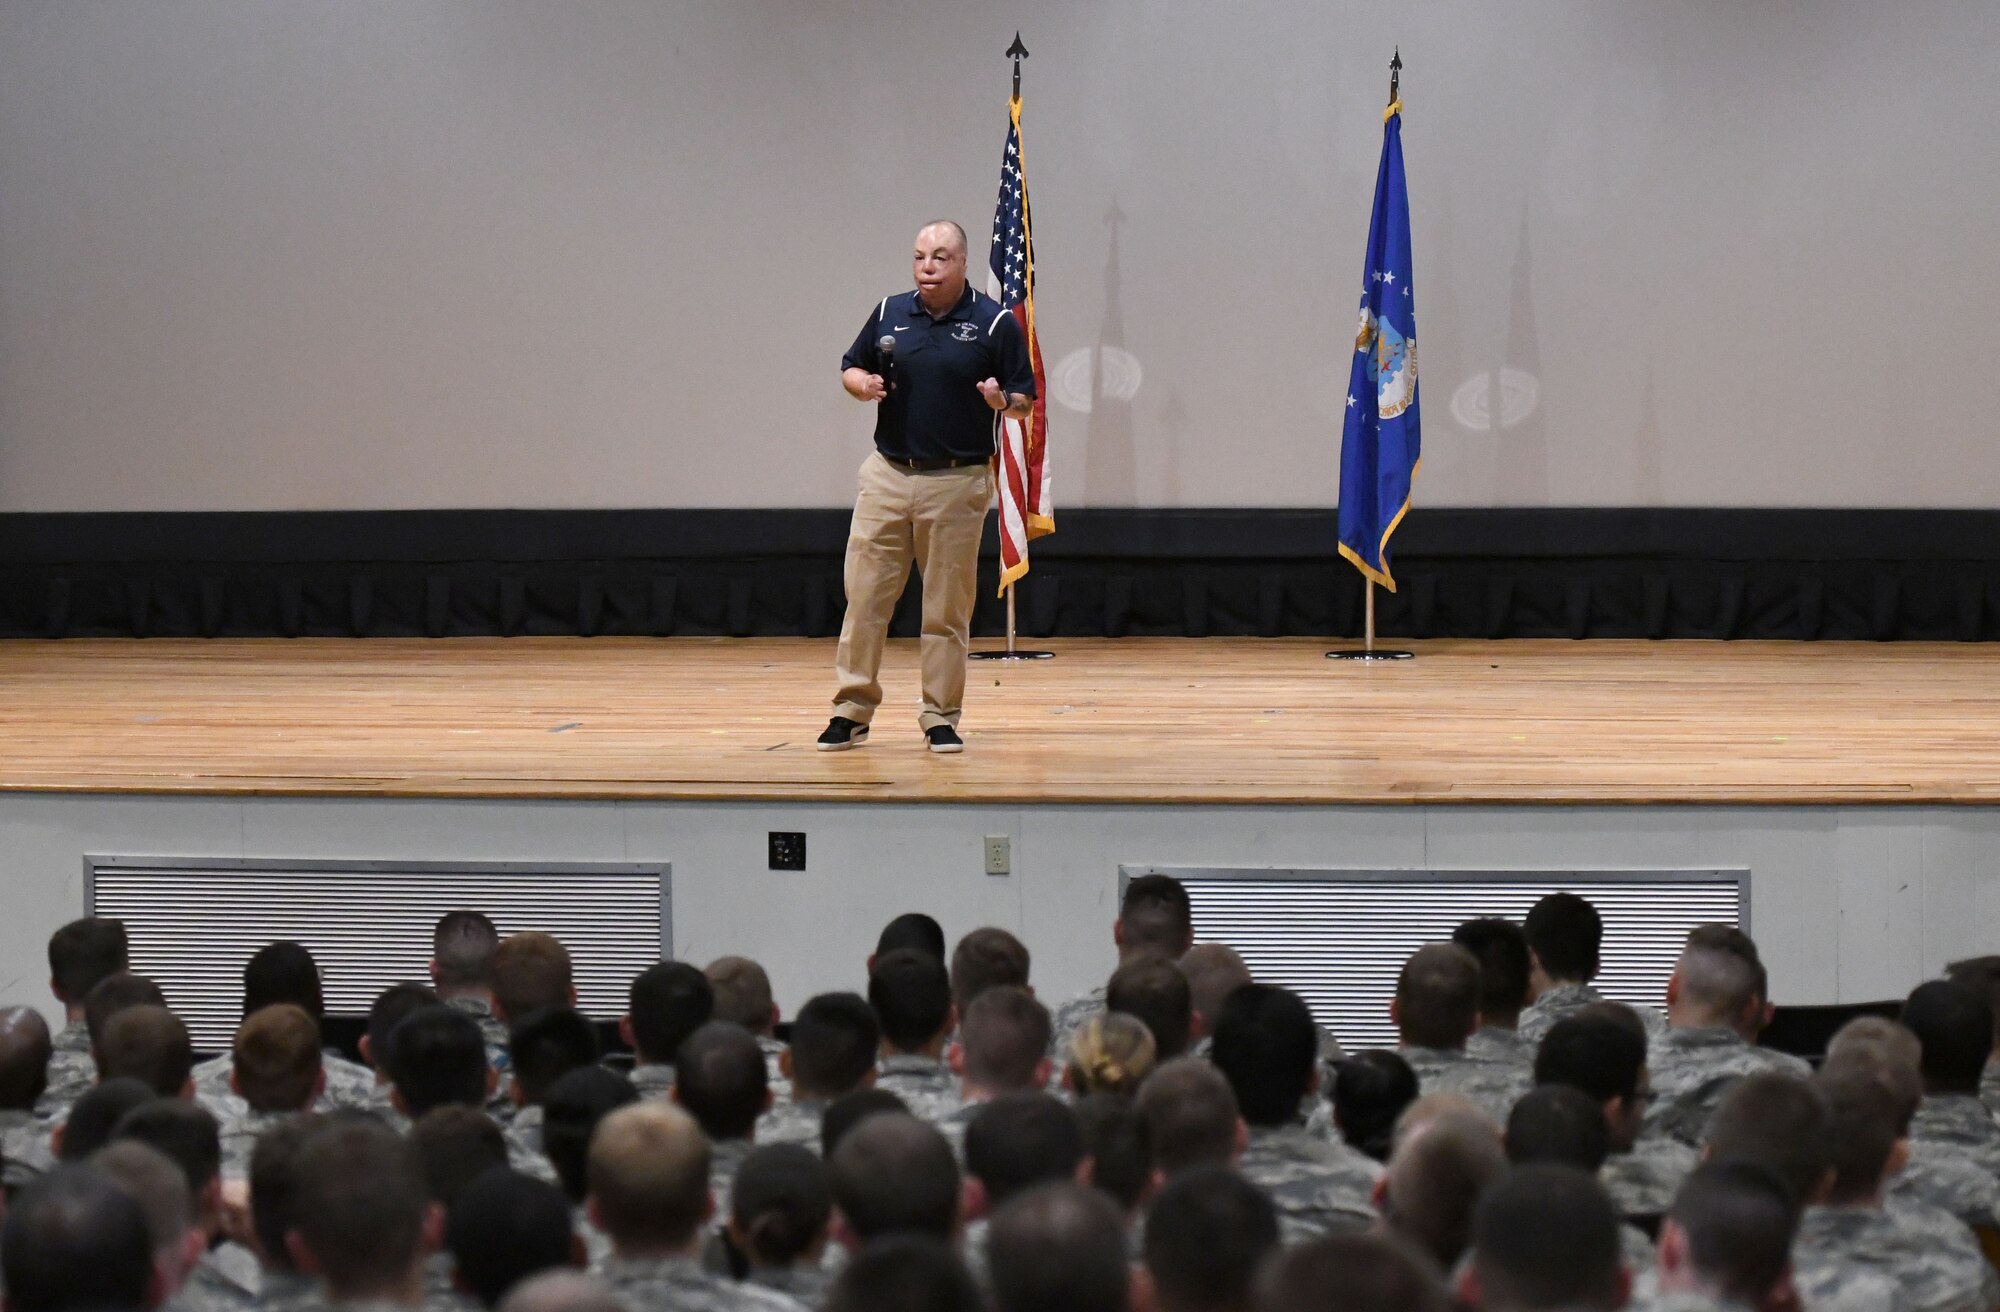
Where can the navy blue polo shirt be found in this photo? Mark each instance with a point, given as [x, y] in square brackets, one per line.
[935, 411]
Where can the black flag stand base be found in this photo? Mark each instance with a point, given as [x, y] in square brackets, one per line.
[1369, 651]
[1012, 653]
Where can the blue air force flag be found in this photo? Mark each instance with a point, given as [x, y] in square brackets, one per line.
[1379, 447]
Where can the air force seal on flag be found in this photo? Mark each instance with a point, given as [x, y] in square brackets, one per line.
[1392, 363]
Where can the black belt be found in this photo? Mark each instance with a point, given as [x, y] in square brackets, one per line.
[932, 466]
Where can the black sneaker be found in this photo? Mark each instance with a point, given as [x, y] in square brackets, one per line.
[842, 733]
[944, 738]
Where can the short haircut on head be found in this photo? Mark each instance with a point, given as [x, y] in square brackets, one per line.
[835, 1041]
[83, 952]
[96, 1115]
[1565, 932]
[721, 1079]
[1371, 1089]
[780, 1203]
[957, 232]
[437, 1056]
[1594, 1054]
[843, 1114]
[274, 1186]
[149, 1044]
[1118, 1146]
[1022, 1139]
[282, 972]
[1190, 1114]
[1153, 989]
[187, 1134]
[1434, 1179]
[360, 1206]
[1954, 1025]
[503, 1228]
[1265, 1045]
[75, 1241]
[649, 1176]
[1560, 1124]
[1777, 1121]
[1982, 975]
[1005, 1034]
[1878, 1035]
[905, 1273]
[565, 1290]
[1502, 951]
[530, 971]
[912, 931]
[25, 1048]
[1112, 1052]
[985, 959]
[156, 1184]
[667, 1002]
[454, 1146]
[1214, 971]
[1546, 1237]
[1058, 1248]
[893, 1173]
[391, 1005]
[1373, 1272]
[742, 992]
[462, 946]
[571, 1110]
[543, 1046]
[910, 991]
[276, 1059]
[1716, 976]
[113, 994]
[1863, 1124]
[1207, 1233]
[1437, 996]
[1879, 1062]
[1155, 916]
[1739, 1219]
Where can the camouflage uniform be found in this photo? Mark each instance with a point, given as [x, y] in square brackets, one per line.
[24, 1143]
[240, 1128]
[1644, 1181]
[1568, 999]
[1495, 1085]
[924, 1083]
[725, 1159]
[285, 1291]
[1931, 1260]
[71, 1069]
[491, 1032]
[654, 1079]
[1693, 1067]
[1071, 1017]
[807, 1282]
[678, 1284]
[440, 1294]
[226, 1279]
[1944, 1176]
[1637, 1251]
[1959, 1122]
[596, 1244]
[1492, 1043]
[774, 1074]
[1989, 1086]
[1319, 1187]
[1646, 1297]
[349, 1086]
[793, 1122]
[524, 1144]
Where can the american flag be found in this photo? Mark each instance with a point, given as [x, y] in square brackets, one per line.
[1026, 510]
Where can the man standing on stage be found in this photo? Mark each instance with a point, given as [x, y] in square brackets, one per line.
[943, 364]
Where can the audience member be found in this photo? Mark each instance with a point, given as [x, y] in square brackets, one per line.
[455, 1145]
[719, 1080]
[779, 1215]
[1002, 1047]
[562, 1291]
[1561, 1126]
[1727, 1240]
[1117, 1152]
[388, 1011]
[113, 994]
[81, 955]
[462, 948]
[834, 1045]
[1351, 1273]
[542, 1047]
[1014, 1142]
[1715, 1010]
[846, 1113]
[1214, 971]
[25, 1050]
[285, 974]
[529, 972]
[1207, 1234]
[1265, 1046]
[74, 1241]
[1152, 990]
[505, 1227]
[274, 1204]
[576, 1104]
[148, 1044]
[910, 991]
[1603, 1053]
[1982, 976]
[95, 1116]
[905, 1273]
[1501, 948]
[1779, 1122]
[1545, 1239]
[1154, 919]
[1058, 1248]
[742, 991]
[436, 1056]
[1954, 1029]
[225, 1275]
[1564, 933]
[893, 1174]
[1112, 1052]
[1191, 1118]
[986, 959]
[1370, 1091]
[275, 1072]
[1435, 1175]
[361, 1213]
[1436, 1010]
[666, 1003]
[161, 1191]
[913, 930]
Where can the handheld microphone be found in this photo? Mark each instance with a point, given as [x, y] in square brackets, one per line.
[885, 346]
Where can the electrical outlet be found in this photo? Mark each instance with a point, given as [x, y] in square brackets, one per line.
[788, 850]
[999, 854]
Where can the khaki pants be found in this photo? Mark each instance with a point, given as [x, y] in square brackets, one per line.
[932, 520]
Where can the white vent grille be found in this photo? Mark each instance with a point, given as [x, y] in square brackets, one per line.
[193, 924]
[1339, 937]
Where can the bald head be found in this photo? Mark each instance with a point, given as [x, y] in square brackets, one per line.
[24, 1057]
[943, 230]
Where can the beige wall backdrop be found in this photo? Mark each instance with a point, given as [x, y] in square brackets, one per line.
[267, 254]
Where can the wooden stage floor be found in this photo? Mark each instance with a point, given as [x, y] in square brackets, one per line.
[1133, 720]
